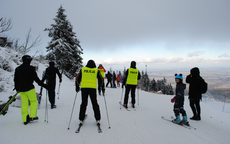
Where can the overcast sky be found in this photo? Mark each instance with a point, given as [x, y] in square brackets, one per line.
[162, 34]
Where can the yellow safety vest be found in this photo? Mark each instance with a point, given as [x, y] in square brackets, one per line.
[132, 76]
[102, 72]
[89, 77]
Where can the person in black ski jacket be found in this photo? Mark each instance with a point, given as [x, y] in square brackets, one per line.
[114, 79]
[88, 78]
[179, 101]
[130, 81]
[24, 77]
[194, 79]
[109, 79]
[50, 76]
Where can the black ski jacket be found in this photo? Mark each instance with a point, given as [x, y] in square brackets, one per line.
[24, 77]
[180, 94]
[194, 79]
[109, 76]
[50, 75]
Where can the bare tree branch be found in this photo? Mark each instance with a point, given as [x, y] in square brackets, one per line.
[28, 45]
[5, 25]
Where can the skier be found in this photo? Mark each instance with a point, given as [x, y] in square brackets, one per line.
[109, 79]
[50, 76]
[195, 95]
[101, 87]
[122, 79]
[114, 79]
[118, 80]
[88, 76]
[24, 77]
[179, 101]
[77, 72]
[130, 80]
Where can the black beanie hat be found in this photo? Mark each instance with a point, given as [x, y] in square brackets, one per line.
[133, 64]
[26, 59]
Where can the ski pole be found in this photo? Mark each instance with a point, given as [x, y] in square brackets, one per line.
[121, 96]
[46, 109]
[138, 96]
[72, 110]
[107, 112]
[59, 89]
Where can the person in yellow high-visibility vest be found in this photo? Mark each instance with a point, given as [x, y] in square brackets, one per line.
[130, 81]
[101, 87]
[24, 77]
[88, 78]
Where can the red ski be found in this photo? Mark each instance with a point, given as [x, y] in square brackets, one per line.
[124, 106]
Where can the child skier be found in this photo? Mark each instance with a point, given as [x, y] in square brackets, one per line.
[179, 101]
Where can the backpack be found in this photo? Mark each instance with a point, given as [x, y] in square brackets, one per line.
[203, 87]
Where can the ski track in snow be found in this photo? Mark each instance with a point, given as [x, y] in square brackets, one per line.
[141, 126]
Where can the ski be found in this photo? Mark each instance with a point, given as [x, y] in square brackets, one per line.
[132, 106]
[175, 123]
[191, 127]
[4, 109]
[124, 106]
[81, 124]
[99, 128]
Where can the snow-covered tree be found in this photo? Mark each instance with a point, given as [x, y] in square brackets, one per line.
[153, 85]
[64, 46]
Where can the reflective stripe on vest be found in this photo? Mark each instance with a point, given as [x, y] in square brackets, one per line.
[132, 76]
[89, 78]
[102, 72]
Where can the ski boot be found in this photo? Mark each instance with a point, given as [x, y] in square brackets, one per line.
[27, 120]
[35, 118]
[177, 120]
[53, 106]
[185, 121]
[133, 106]
[98, 122]
[125, 105]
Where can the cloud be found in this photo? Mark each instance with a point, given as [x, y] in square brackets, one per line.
[224, 55]
[195, 54]
[108, 25]
[172, 60]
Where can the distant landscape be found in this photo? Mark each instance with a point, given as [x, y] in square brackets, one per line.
[218, 79]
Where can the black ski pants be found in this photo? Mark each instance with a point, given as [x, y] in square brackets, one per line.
[85, 92]
[101, 87]
[129, 88]
[51, 92]
[109, 81]
[195, 106]
[179, 109]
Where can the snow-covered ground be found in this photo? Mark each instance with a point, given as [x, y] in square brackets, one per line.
[136, 127]
[142, 126]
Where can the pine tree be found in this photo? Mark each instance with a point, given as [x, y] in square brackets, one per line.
[171, 92]
[153, 85]
[64, 46]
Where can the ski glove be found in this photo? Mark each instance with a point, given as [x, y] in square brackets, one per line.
[122, 86]
[45, 86]
[173, 99]
[60, 80]
[77, 88]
